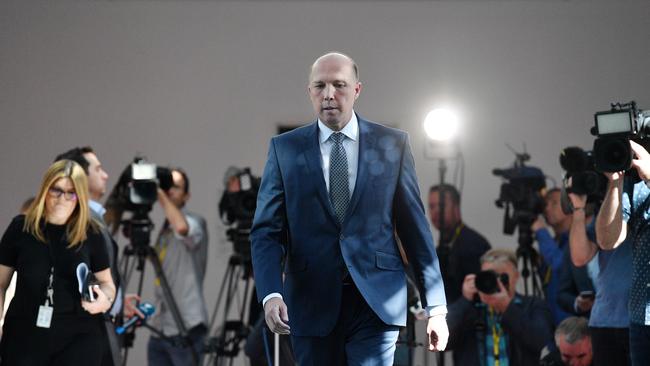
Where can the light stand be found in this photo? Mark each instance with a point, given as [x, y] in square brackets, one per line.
[440, 126]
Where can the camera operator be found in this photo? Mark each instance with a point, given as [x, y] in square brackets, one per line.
[625, 213]
[609, 320]
[552, 248]
[97, 178]
[465, 246]
[503, 325]
[577, 284]
[182, 248]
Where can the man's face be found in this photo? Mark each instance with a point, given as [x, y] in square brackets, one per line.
[97, 177]
[452, 211]
[577, 354]
[504, 267]
[177, 191]
[553, 209]
[333, 90]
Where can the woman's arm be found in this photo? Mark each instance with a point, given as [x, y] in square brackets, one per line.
[105, 293]
[5, 278]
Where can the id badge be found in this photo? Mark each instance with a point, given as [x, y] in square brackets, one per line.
[44, 318]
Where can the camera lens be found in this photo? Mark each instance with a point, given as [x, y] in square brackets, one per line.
[612, 154]
[486, 281]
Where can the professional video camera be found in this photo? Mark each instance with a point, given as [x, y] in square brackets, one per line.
[581, 177]
[615, 128]
[522, 192]
[136, 191]
[237, 206]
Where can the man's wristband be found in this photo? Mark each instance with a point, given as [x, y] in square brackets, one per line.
[578, 209]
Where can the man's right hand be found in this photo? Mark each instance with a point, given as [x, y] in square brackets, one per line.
[276, 316]
[469, 287]
[130, 306]
[538, 224]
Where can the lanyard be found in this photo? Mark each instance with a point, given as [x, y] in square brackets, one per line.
[496, 337]
[457, 231]
[49, 292]
[161, 246]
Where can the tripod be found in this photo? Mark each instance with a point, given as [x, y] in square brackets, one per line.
[225, 341]
[528, 257]
[139, 229]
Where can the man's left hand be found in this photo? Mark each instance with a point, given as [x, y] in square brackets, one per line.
[499, 301]
[438, 333]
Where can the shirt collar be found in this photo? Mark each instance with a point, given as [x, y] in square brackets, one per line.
[351, 129]
[96, 207]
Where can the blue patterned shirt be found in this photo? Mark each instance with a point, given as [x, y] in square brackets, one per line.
[636, 212]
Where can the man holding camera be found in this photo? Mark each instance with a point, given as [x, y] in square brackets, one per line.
[625, 212]
[552, 248]
[491, 322]
[182, 249]
[609, 320]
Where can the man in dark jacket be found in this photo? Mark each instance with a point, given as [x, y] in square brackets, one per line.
[460, 247]
[487, 326]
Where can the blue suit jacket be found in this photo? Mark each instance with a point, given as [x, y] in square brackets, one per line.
[295, 223]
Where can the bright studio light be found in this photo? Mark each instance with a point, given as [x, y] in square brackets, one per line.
[441, 124]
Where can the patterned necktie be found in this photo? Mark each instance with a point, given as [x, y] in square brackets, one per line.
[339, 186]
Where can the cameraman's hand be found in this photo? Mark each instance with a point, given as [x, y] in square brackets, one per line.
[498, 301]
[578, 201]
[584, 304]
[642, 161]
[130, 307]
[469, 287]
[538, 224]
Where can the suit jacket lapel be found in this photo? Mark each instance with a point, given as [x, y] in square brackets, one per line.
[314, 162]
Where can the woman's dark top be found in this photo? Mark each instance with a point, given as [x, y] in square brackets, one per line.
[32, 259]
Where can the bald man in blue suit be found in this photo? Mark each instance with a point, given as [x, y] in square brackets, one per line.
[332, 197]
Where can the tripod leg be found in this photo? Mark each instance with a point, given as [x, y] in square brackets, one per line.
[171, 303]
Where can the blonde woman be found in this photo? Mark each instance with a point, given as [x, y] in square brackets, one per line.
[48, 323]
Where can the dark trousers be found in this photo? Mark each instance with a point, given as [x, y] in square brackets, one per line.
[70, 342]
[164, 352]
[611, 346]
[640, 344]
[359, 338]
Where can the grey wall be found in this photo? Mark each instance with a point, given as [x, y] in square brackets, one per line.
[203, 84]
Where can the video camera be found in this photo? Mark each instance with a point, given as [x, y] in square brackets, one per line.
[581, 177]
[522, 192]
[615, 128]
[137, 187]
[237, 207]
[136, 191]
